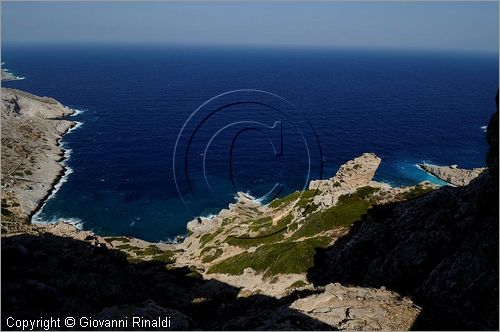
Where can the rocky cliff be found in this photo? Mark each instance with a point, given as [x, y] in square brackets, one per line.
[440, 249]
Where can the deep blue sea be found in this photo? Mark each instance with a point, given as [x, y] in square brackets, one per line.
[315, 109]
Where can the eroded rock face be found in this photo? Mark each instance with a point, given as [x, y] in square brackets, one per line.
[202, 225]
[352, 175]
[452, 174]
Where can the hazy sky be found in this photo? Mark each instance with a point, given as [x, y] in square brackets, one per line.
[445, 25]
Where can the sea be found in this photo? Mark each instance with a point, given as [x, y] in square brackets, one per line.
[170, 132]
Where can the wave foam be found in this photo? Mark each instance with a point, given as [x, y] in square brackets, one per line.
[484, 128]
[13, 77]
[75, 127]
[37, 218]
[176, 240]
[209, 216]
[78, 112]
[78, 223]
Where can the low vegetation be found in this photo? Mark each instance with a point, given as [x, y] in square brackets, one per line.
[117, 239]
[304, 198]
[211, 255]
[248, 242]
[286, 247]
[298, 284]
[366, 192]
[166, 257]
[271, 259]
[260, 223]
[127, 247]
[151, 251]
[349, 209]
[417, 192]
[205, 238]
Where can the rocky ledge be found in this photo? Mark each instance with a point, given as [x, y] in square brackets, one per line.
[452, 174]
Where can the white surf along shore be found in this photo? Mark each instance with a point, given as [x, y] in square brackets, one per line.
[37, 217]
[34, 155]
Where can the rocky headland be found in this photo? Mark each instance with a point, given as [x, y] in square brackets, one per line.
[8, 76]
[452, 174]
[348, 253]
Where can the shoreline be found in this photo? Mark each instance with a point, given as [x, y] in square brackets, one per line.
[433, 175]
[452, 175]
[33, 153]
[60, 179]
[6, 75]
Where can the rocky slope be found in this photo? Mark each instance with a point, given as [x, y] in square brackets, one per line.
[452, 174]
[31, 129]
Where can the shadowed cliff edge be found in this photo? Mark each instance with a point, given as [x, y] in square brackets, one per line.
[48, 275]
[440, 249]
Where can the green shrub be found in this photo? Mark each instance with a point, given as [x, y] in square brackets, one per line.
[298, 284]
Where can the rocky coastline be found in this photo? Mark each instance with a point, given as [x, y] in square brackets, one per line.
[452, 174]
[32, 156]
[8, 76]
[252, 266]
